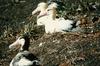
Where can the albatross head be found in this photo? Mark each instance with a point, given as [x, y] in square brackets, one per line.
[51, 10]
[21, 43]
[41, 7]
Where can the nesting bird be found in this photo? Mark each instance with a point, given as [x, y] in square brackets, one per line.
[24, 57]
[53, 24]
[58, 24]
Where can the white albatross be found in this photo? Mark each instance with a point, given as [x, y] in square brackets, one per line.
[47, 17]
[23, 57]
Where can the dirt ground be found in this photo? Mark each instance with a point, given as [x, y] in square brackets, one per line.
[69, 49]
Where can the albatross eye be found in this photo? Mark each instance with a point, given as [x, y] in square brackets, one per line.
[49, 9]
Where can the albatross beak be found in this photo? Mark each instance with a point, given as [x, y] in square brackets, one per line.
[35, 11]
[15, 45]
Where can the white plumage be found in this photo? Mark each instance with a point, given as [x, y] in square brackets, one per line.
[24, 57]
[42, 15]
[52, 24]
